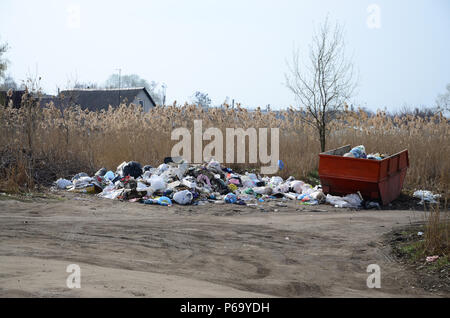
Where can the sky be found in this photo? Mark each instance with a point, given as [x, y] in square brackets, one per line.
[234, 48]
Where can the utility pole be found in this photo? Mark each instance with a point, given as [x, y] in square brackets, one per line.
[120, 75]
[163, 86]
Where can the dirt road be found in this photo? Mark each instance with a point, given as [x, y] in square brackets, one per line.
[135, 250]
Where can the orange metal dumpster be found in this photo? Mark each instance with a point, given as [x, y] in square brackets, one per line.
[375, 179]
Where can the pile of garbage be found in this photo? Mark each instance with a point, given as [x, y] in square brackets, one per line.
[360, 152]
[176, 181]
[426, 196]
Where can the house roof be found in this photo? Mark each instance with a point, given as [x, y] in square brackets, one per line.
[96, 99]
[16, 98]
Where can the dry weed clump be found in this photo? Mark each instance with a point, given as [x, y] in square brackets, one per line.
[41, 143]
[437, 231]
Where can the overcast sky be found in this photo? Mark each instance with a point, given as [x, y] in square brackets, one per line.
[229, 48]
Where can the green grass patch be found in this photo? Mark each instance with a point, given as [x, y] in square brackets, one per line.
[313, 178]
[29, 197]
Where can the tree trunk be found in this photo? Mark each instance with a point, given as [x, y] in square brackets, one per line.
[322, 139]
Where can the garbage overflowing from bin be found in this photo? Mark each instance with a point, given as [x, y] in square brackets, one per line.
[360, 153]
[177, 182]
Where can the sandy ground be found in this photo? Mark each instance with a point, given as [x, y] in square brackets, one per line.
[135, 250]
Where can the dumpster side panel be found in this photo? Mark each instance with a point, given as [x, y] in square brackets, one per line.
[342, 186]
[343, 175]
[392, 176]
[375, 179]
[349, 168]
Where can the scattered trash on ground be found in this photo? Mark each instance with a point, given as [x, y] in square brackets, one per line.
[349, 201]
[177, 182]
[426, 196]
[431, 259]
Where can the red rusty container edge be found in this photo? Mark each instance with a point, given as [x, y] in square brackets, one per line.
[374, 179]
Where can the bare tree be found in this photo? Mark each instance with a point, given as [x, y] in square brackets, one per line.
[134, 80]
[323, 84]
[85, 85]
[201, 99]
[9, 83]
[443, 100]
[3, 61]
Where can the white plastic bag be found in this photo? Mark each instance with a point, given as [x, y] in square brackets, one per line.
[181, 170]
[281, 188]
[214, 165]
[119, 170]
[426, 195]
[157, 183]
[318, 195]
[112, 194]
[63, 183]
[183, 197]
[274, 181]
[82, 182]
[162, 167]
[349, 201]
[297, 185]
[262, 190]
[189, 182]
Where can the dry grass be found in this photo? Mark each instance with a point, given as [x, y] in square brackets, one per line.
[437, 231]
[435, 241]
[39, 144]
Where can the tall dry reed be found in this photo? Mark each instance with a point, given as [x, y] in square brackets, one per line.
[39, 144]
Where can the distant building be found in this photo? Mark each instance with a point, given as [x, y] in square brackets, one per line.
[97, 99]
[16, 98]
[91, 99]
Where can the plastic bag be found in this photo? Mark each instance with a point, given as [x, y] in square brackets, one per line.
[82, 182]
[141, 186]
[109, 175]
[181, 170]
[110, 193]
[318, 195]
[214, 165]
[281, 188]
[274, 181]
[189, 182]
[297, 186]
[290, 195]
[133, 169]
[162, 168]
[183, 197]
[164, 201]
[349, 201]
[63, 183]
[426, 195]
[359, 152]
[230, 198]
[119, 170]
[262, 190]
[101, 172]
[79, 175]
[157, 183]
